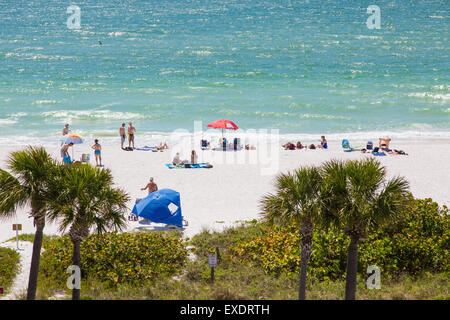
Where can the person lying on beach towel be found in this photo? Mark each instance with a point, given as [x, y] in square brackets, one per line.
[250, 147]
[299, 145]
[288, 146]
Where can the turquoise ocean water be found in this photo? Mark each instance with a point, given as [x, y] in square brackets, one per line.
[303, 67]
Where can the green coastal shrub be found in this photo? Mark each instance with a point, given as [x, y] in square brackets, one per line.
[116, 257]
[416, 243]
[9, 267]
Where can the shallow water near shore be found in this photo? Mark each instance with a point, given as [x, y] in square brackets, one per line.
[302, 67]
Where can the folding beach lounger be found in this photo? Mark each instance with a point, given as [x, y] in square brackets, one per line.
[347, 148]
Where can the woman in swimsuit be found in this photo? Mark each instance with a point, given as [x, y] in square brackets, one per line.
[98, 152]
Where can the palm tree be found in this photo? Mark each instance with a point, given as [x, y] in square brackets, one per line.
[23, 185]
[83, 198]
[357, 197]
[296, 200]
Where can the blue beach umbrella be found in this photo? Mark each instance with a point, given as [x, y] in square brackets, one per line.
[162, 206]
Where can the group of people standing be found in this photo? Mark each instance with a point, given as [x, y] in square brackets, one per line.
[123, 134]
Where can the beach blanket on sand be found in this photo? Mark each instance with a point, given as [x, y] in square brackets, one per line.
[192, 166]
[147, 148]
[378, 153]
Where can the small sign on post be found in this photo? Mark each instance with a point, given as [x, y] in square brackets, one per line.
[17, 228]
[212, 260]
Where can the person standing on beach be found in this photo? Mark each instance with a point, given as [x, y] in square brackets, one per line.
[151, 186]
[131, 132]
[65, 150]
[98, 152]
[65, 129]
[123, 136]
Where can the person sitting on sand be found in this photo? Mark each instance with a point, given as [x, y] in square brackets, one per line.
[176, 160]
[384, 142]
[151, 186]
[312, 146]
[162, 146]
[323, 143]
[131, 132]
[122, 134]
[64, 150]
[98, 153]
[193, 157]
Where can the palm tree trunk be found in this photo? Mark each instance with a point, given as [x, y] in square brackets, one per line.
[306, 240]
[76, 260]
[352, 267]
[35, 258]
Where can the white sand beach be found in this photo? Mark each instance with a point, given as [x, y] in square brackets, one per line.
[230, 191]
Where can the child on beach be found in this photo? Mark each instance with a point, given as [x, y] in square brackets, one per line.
[98, 153]
[323, 143]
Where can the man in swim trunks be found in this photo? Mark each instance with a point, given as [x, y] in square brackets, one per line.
[64, 150]
[123, 136]
[151, 186]
[131, 132]
[98, 152]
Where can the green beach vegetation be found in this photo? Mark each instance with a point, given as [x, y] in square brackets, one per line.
[327, 224]
[9, 267]
[257, 261]
[23, 184]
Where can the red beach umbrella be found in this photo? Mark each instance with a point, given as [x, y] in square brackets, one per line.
[223, 124]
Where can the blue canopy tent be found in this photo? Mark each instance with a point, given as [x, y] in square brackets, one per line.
[156, 207]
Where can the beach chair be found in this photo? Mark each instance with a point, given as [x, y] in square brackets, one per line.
[204, 144]
[85, 158]
[347, 148]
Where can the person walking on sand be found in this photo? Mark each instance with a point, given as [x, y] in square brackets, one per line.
[131, 132]
[98, 153]
[122, 134]
[151, 186]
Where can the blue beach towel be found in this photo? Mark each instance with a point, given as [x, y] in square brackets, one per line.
[378, 153]
[192, 166]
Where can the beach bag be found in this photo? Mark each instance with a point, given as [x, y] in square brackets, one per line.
[369, 145]
[128, 149]
[375, 150]
[67, 159]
